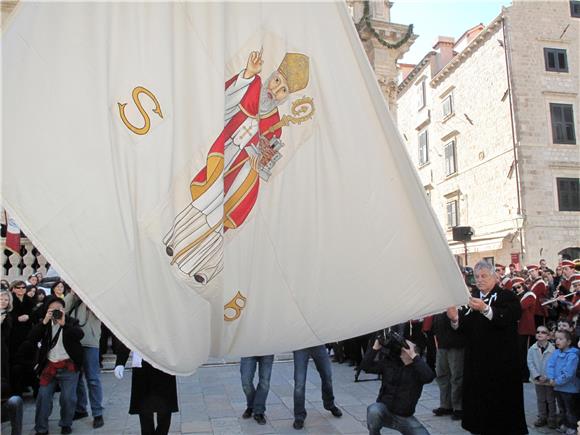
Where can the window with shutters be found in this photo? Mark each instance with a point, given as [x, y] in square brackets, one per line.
[450, 158]
[555, 59]
[421, 95]
[448, 106]
[562, 116]
[423, 148]
[568, 194]
[452, 218]
[575, 8]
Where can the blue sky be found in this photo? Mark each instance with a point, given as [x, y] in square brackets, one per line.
[441, 17]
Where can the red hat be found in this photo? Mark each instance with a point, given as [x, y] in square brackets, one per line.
[575, 278]
[518, 280]
[567, 263]
[532, 266]
[499, 265]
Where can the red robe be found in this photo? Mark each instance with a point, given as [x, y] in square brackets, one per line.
[239, 205]
[527, 325]
[541, 291]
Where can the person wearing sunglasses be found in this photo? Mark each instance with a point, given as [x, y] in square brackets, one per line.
[538, 356]
[526, 325]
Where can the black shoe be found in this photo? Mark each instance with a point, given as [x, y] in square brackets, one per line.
[66, 430]
[457, 415]
[442, 411]
[298, 424]
[247, 413]
[335, 411]
[98, 422]
[260, 418]
[79, 415]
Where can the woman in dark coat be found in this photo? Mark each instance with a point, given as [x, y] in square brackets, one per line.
[493, 398]
[152, 391]
[20, 315]
[21, 310]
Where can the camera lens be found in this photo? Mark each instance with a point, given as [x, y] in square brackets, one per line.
[56, 314]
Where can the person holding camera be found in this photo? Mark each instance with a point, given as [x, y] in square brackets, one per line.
[60, 356]
[403, 375]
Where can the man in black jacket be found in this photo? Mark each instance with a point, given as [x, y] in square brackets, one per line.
[403, 377]
[59, 359]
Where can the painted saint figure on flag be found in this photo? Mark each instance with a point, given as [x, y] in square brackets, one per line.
[224, 192]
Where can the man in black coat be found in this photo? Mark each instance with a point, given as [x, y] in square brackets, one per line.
[59, 359]
[403, 377]
[493, 400]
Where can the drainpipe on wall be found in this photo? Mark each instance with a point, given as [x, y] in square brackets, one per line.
[514, 133]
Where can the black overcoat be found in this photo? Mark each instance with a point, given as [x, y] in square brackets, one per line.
[20, 330]
[493, 399]
[152, 391]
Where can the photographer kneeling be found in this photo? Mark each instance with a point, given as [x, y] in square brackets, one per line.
[403, 375]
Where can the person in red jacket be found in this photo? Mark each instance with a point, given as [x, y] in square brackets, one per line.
[567, 271]
[539, 288]
[526, 324]
[575, 308]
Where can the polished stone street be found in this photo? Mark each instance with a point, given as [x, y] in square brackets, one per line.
[211, 402]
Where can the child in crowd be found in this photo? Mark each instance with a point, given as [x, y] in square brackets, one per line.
[538, 356]
[565, 325]
[561, 374]
[552, 327]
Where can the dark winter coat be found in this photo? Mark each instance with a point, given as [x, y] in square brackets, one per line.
[493, 399]
[151, 389]
[447, 337]
[71, 339]
[401, 385]
[5, 358]
[20, 330]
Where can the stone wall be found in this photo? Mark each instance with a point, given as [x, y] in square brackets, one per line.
[485, 183]
[531, 27]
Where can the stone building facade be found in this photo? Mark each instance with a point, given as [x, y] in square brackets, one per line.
[478, 118]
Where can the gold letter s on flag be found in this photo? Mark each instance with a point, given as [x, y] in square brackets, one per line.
[136, 92]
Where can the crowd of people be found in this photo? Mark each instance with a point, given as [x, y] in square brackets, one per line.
[519, 326]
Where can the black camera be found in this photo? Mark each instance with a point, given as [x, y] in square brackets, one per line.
[56, 314]
[392, 343]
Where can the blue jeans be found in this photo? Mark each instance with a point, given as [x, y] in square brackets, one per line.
[322, 363]
[13, 409]
[92, 373]
[378, 416]
[67, 382]
[256, 397]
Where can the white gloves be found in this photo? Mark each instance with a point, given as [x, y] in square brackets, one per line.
[119, 370]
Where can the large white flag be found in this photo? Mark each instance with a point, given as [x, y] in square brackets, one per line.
[216, 178]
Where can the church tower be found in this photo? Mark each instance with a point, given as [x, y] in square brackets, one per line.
[384, 42]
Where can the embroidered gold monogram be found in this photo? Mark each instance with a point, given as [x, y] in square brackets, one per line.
[237, 304]
[136, 92]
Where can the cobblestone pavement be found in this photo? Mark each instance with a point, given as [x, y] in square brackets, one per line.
[211, 402]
